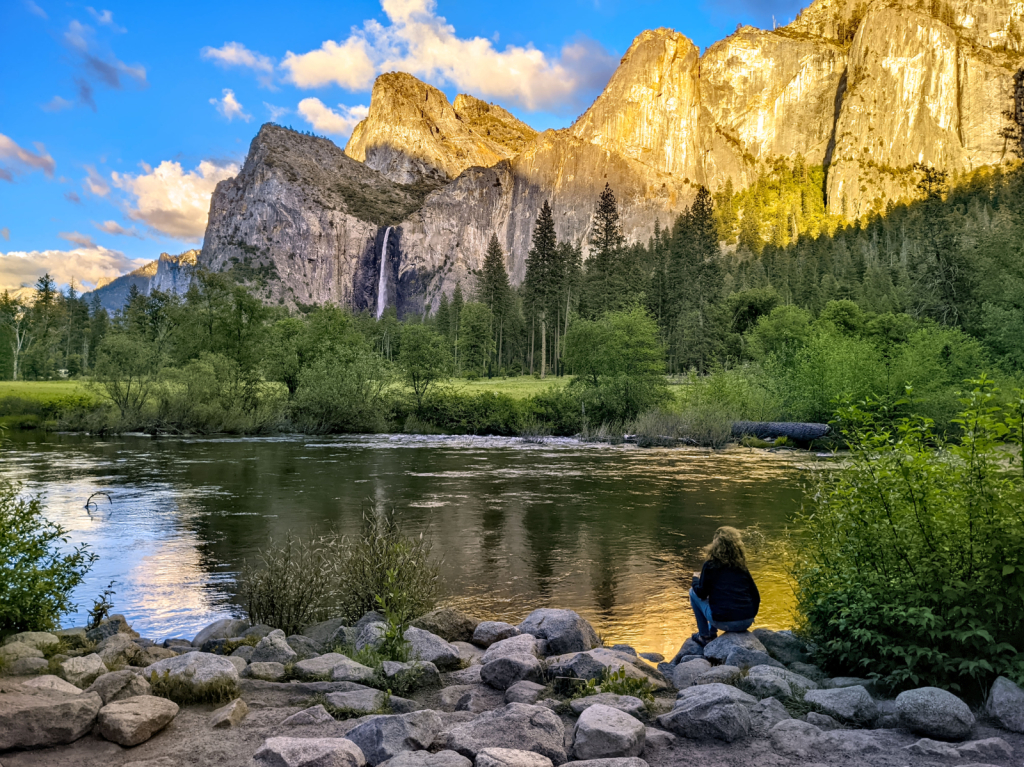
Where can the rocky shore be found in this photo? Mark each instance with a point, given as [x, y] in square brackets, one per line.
[473, 694]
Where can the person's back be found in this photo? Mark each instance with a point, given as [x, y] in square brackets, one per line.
[724, 596]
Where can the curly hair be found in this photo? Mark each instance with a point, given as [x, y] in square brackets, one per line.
[727, 548]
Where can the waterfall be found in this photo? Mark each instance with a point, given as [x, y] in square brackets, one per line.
[382, 283]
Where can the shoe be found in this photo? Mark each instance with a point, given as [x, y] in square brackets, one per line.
[703, 639]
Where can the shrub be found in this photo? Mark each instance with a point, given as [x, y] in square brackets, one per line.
[38, 572]
[483, 413]
[911, 567]
[703, 425]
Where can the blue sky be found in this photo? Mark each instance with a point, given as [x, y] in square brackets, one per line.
[116, 120]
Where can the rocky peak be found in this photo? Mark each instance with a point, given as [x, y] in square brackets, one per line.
[412, 131]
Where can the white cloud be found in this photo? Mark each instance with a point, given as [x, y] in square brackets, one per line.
[230, 107]
[57, 104]
[112, 227]
[173, 201]
[35, 9]
[76, 238]
[100, 65]
[422, 43]
[276, 113]
[326, 120]
[237, 55]
[94, 183]
[106, 18]
[23, 160]
[85, 265]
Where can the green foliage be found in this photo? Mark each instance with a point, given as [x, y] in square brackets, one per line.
[620, 683]
[125, 371]
[397, 604]
[101, 607]
[341, 714]
[425, 359]
[38, 571]
[910, 569]
[347, 391]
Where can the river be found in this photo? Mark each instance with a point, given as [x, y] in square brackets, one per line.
[612, 532]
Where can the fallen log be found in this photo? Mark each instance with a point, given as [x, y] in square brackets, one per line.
[802, 432]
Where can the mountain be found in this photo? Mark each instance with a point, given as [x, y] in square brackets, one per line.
[167, 273]
[405, 212]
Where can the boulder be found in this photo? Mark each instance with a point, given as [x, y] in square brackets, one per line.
[451, 696]
[793, 737]
[199, 669]
[625, 761]
[176, 642]
[823, 722]
[689, 648]
[135, 720]
[321, 667]
[38, 639]
[119, 685]
[764, 715]
[717, 650]
[28, 666]
[115, 624]
[469, 654]
[850, 743]
[530, 728]
[345, 636]
[710, 712]
[783, 646]
[430, 648]
[413, 675]
[427, 759]
[259, 631]
[593, 664]
[743, 659]
[45, 718]
[230, 715]
[1005, 705]
[719, 675]
[502, 673]
[239, 663]
[371, 635]
[934, 713]
[51, 682]
[469, 675]
[449, 624]
[9, 653]
[603, 732]
[347, 670]
[888, 717]
[477, 699]
[119, 650]
[274, 648]
[371, 617]
[809, 671]
[265, 670]
[244, 652]
[989, 748]
[563, 630]
[774, 682]
[489, 632]
[521, 644]
[304, 647]
[323, 633]
[314, 715]
[365, 701]
[383, 737]
[932, 748]
[225, 628]
[624, 703]
[848, 681]
[510, 757]
[847, 704]
[686, 673]
[151, 655]
[524, 692]
[658, 740]
[84, 670]
[308, 752]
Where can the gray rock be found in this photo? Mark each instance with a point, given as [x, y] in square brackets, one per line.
[348, 670]
[177, 642]
[50, 682]
[304, 647]
[119, 650]
[810, 671]
[323, 633]
[658, 740]
[563, 630]
[689, 648]
[849, 743]
[431, 648]
[530, 728]
[9, 653]
[45, 718]
[322, 666]
[383, 737]
[489, 632]
[314, 715]
[888, 717]
[449, 624]
[28, 666]
[230, 715]
[524, 692]
[653, 657]
[743, 658]
[719, 675]
[197, 668]
[510, 757]
[1005, 705]
[268, 671]
[478, 699]
[84, 670]
[38, 639]
[934, 713]
[849, 681]
[469, 675]
[718, 650]
[771, 681]
[793, 737]
[245, 652]
[625, 703]
[365, 701]
[710, 712]
[504, 672]
[685, 674]
[416, 675]
[625, 761]
[259, 631]
[782, 645]
[225, 628]
[427, 759]
[989, 748]
[603, 732]
[308, 752]
[238, 662]
[593, 664]
[371, 617]
[847, 704]
[932, 748]
[119, 685]
[115, 624]
[274, 648]
[628, 649]
[823, 722]
[371, 635]
[344, 636]
[764, 715]
[521, 644]
[452, 695]
[135, 720]
[469, 654]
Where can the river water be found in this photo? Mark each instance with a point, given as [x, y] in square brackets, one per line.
[612, 532]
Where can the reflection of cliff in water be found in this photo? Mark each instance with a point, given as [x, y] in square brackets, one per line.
[610, 532]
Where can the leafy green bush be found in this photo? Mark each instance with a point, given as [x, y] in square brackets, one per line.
[38, 572]
[911, 564]
[483, 413]
[348, 391]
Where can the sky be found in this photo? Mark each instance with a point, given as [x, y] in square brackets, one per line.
[117, 120]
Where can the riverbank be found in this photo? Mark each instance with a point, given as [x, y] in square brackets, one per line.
[538, 693]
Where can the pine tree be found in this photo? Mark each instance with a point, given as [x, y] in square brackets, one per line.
[605, 288]
[494, 292]
[539, 284]
[443, 317]
[455, 319]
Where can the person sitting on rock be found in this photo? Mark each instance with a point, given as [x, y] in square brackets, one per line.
[724, 597]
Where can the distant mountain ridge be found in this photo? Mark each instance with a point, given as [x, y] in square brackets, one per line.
[168, 273]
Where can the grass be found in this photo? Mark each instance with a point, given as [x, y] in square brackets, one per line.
[184, 692]
[43, 391]
[339, 713]
[519, 387]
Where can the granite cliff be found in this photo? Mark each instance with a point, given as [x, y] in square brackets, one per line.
[866, 90]
[171, 274]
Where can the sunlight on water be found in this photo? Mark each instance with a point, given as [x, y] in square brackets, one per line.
[612, 532]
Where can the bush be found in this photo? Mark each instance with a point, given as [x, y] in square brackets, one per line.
[349, 391]
[38, 572]
[702, 425]
[911, 566]
[484, 413]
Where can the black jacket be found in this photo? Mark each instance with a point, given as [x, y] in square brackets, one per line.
[731, 592]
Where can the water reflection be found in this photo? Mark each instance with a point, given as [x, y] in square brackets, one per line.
[612, 532]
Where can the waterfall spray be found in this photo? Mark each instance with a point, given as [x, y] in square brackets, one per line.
[382, 283]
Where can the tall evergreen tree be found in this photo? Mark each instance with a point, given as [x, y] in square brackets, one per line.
[539, 284]
[495, 292]
[606, 287]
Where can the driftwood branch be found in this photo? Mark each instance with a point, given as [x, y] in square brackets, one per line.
[803, 432]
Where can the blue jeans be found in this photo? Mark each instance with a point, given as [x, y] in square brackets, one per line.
[702, 611]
